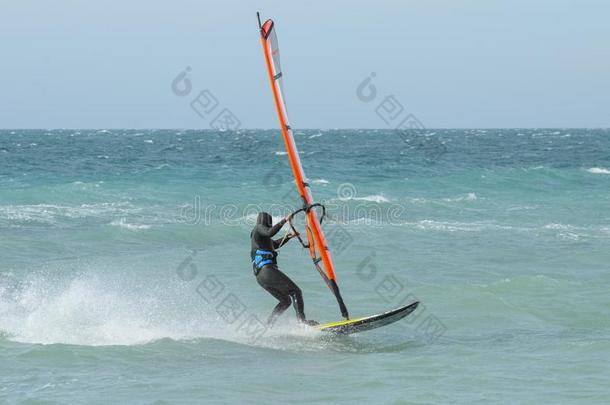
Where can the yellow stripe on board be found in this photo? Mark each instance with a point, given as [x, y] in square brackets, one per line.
[339, 323]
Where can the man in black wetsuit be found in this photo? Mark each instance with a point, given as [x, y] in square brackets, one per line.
[268, 275]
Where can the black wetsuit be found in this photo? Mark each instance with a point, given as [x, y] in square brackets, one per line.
[269, 275]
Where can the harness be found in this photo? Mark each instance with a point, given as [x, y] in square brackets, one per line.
[262, 258]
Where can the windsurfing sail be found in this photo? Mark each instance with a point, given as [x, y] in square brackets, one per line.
[318, 247]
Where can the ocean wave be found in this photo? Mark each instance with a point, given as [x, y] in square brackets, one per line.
[320, 181]
[373, 198]
[599, 170]
[558, 226]
[50, 213]
[572, 232]
[467, 197]
[432, 225]
[522, 208]
[85, 185]
[376, 198]
[459, 198]
[122, 223]
[525, 284]
[561, 231]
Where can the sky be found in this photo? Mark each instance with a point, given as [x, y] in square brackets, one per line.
[452, 63]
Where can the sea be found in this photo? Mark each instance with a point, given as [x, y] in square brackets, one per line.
[125, 273]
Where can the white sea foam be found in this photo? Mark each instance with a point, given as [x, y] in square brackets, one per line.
[558, 226]
[122, 223]
[85, 311]
[281, 153]
[373, 198]
[599, 170]
[569, 236]
[50, 214]
[97, 309]
[522, 208]
[450, 226]
[83, 185]
[320, 181]
[467, 197]
[376, 198]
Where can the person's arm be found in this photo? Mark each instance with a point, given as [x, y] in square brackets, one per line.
[278, 243]
[270, 232]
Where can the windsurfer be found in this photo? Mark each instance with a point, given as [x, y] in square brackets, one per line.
[264, 262]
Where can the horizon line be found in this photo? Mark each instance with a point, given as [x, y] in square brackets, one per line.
[294, 129]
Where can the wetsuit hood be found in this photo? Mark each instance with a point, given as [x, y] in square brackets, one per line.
[264, 218]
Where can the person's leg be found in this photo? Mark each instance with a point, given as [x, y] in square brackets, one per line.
[284, 289]
[266, 278]
[297, 300]
[279, 308]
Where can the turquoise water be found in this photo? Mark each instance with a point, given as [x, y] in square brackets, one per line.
[122, 250]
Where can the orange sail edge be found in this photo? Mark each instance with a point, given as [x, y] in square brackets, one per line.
[269, 41]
